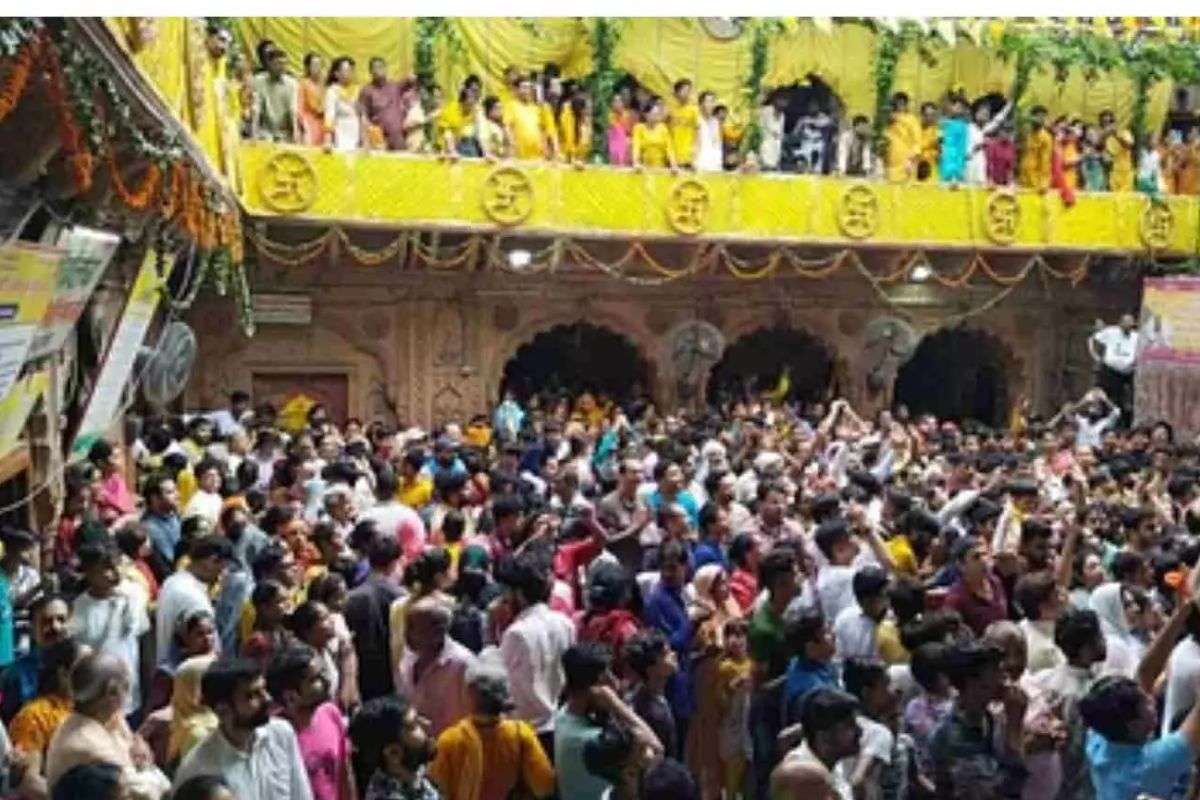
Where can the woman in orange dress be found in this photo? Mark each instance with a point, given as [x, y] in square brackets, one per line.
[312, 101]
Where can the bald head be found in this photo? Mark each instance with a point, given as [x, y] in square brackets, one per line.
[99, 684]
[426, 624]
[796, 779]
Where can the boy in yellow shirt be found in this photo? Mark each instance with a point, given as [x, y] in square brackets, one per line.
[683, 119]
[1117, 153]
[1038, 151]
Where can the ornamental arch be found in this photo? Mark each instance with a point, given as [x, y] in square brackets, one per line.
[756, 357]
[962, 373]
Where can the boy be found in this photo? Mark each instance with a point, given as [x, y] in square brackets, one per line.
[855, 156]
[109, 616]
[650, 657]
[20, 585]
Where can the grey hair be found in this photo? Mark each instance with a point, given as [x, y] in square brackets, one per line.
[93, 677]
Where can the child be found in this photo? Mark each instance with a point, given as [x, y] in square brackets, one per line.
[493, 136]
[709, 141]
[1038, 151]
[134, 565]
[653, 662]
[653, 145]
[952, 164]
[1064, 158]
[903, 139]
[1150, 172]
[1117, 148]
[812, 133]
[734, 739]
[110, 616]
[927, 710]
[20, 585]
[1091, 162]
[621, 120]
[683, 119]
[982, 128]
[855, 155]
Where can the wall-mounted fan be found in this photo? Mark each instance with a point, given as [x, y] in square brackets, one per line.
[166, 374]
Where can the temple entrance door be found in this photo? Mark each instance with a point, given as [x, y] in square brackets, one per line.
[574, 358]
[956, 374]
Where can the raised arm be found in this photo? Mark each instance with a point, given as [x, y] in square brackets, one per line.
[1155, 658]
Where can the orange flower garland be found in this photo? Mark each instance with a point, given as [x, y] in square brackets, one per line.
[78, 157]
[18, 75]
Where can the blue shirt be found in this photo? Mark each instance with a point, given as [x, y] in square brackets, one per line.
[708, 551]
[20, 683]
[7, 621]
[804, 676]
[571, 735]
[164, 535]
[682, 498]
[1124, 771]
[665, 610]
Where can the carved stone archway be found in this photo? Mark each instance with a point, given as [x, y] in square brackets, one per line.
[760, 352]
[962, 373]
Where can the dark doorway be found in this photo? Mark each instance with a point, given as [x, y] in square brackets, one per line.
[754, 363]
[958, 375]
[576, 358]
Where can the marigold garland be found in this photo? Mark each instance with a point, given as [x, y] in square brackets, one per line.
[17, 78]
[79, 159]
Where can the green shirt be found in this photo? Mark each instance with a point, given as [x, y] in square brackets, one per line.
[768, 644]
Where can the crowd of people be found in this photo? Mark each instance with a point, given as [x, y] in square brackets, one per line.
[541, 115]
[570, 598]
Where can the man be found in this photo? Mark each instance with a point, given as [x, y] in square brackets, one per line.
[714, 530]
[228, 421]
[394, 518]
[507, 751]
[625, 516]
[532, 647]
[50, 615]
[433, 668]
[298, 684]
[589, 693]
[385, 104]
[273, 117]
[977, 594]
[1037, 150]
[393, 747]
[109, 616]
[1117, 153]
[837, 539]
[526, 129]
[831, 733]
[258, 757]
[96, 729]
[855, 628]
[162, 522]
[416, 488]
[669, 491]
[1040, 600]
[367, 611]
[189, 590]
[1113, 348]
[812, 666]
[967, 760]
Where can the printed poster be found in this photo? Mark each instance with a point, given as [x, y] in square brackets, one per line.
[105, 400]
[1167, 380]
[16, 406]
[88, 253]
[28, 275]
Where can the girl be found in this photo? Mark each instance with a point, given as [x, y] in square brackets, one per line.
[982, 128]
[652, 139]
[311, 112]
[952, 164]
[1092, 175]
[733, 677]
[493, 136]
[709, 146]
[621, 121]
[343, 124]
[575, 129]
[1150, 171]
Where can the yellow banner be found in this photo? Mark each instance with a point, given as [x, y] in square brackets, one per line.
[28, 277]
[15, 408]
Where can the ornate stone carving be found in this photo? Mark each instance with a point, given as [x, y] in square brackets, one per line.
[448, 333]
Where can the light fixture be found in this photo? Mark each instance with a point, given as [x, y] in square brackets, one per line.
[921, 273]
[519, 259]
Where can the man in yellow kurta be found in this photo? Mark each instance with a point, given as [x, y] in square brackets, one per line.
[683, 118]
[903, 139]
[523, 118]
[1037, 151]
[1117, 153]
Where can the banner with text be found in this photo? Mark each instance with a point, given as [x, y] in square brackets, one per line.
[87, 255]
[28, 275]
[105, 400]
[15, 408]
[1167, 385]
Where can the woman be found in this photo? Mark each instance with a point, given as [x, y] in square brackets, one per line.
[575, 129]
[191, 720]
[621, 120]
[1120, 610]
[195, 635]
[652, 139]
[709, 609]
[314, 625]
[32, 728]
[460, 122]
[710, 150]
[312, 102]
[343, 124]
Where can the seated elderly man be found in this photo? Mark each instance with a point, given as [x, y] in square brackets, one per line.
[96, 732]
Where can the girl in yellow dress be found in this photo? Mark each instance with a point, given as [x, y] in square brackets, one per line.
[575, 129]
[652, 145]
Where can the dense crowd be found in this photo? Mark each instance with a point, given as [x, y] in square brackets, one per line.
[541, 115]
[580, 599]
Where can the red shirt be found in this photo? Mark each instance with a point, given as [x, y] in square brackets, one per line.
[1001, 155]
[743, 586]
[386, 107]
[976, 612]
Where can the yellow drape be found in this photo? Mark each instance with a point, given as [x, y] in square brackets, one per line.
[657, 51]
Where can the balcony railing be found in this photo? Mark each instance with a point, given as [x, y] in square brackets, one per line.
[393, 190]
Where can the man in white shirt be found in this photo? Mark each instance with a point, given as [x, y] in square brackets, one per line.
[533, 645]
[187, 591]
[837, 544]
[206, 502]
[110, 616]
[831, 733]
[855, 628]
[257, 756]
[1114, 349]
